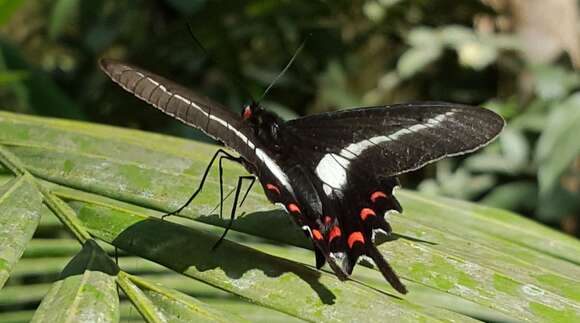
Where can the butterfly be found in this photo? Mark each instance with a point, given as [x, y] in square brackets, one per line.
[334, 173]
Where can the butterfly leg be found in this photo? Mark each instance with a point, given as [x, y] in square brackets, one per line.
[221, 173]
[234, 206]
[222, 200]
[253, 180]
[206, 172]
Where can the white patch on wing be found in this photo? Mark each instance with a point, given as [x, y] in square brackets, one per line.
[418, 127]
[355, 149]
[274, 169]
[375, 231]
[391, 212]
[190, 103]
[234, 130]
[327, 189]
[307, 228]
[338, 256]
[331, 170]
[378, 140]
[347, 154]
[282, 205]
[368, 259]
[341, 160]
[395, 189]
[270, 164]
[432, 122]
[358, 147]
[400, 133]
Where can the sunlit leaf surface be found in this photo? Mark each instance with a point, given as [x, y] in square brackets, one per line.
[460, 261]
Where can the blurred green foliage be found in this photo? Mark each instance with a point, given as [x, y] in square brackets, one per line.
[357, 53]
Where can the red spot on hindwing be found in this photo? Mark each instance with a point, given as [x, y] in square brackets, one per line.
[316, 234]
[377, 195]
[327, 220]
[272, 188]
[354, 238]
[366, 212]
[334, 233]
[293, 208]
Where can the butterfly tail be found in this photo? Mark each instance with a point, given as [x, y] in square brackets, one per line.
[385, 269]
[320, 258]
[323, 255]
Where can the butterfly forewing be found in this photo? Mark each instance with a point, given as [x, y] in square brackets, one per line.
[394, 139]
[185, 105]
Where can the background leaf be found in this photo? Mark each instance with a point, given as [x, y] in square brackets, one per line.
[558, 146]
[457, 258]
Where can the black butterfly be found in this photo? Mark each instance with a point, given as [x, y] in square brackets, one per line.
[334, 173]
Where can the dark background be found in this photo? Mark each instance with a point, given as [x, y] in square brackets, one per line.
[515, 57]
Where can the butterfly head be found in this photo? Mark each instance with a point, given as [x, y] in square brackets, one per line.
[265, 123]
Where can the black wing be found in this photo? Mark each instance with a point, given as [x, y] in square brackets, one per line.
[387, 141]
[354, 156]
[184, 105]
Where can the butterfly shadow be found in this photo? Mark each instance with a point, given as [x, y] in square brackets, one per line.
[189, 251]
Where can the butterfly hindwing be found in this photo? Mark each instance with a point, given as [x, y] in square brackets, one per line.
[365, 207]
[348, 229]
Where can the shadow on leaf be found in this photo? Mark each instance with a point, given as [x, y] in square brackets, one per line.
[181, 249]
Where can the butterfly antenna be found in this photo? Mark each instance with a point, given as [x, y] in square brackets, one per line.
[239, 82]
[283, 71]
[197, 42]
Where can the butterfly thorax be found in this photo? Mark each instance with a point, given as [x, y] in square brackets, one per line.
[268, 127]
[300, 190]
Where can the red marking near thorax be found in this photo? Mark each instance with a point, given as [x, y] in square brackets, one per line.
[293, 208]
[377, 195]
[272, 188]
[355, 237]
[247, 113]
[334, 233]
[316, 234]
[366, 212]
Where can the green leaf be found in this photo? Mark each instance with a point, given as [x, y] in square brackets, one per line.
[37, 92]
[269, 281]
[457, 258]
[187, 7]
[477, 55]
[87, 295]
[559, 146]
[20, 210]
[91, 257]
[60, 209]
[63, 13]
[515, 148]
[423, 37]
[416, 59]
[511, 196]
[8, 8]
[554, 82]
[7, 77]
[171, 305]
[456, 36]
